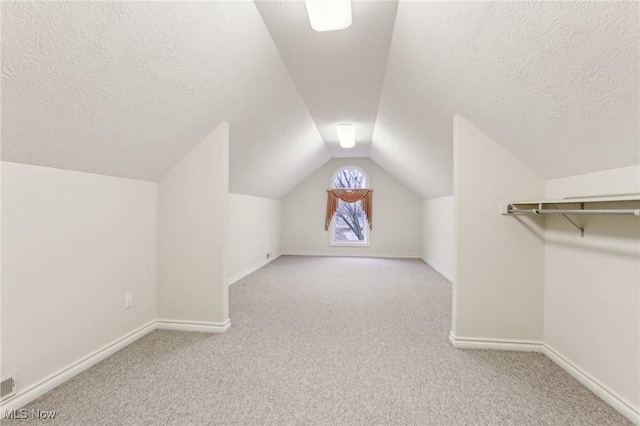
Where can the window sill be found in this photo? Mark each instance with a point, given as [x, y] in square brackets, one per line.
[355, 245]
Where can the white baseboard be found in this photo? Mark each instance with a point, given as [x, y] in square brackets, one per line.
[23, 397]
[354, 254]
[43, 386]
[623, 406]
[200, 326]
[438, 269]
[38, 389]
[496, 344]
[251, 270]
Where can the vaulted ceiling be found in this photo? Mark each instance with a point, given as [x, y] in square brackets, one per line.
[555, 83]
[128, 88]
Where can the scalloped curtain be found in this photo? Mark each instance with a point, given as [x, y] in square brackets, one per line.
[349, 196]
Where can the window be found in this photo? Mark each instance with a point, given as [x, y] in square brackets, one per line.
[349, 224]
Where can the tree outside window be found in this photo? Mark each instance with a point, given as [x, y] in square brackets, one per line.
[349, 225]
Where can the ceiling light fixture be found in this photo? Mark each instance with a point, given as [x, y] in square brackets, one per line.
[329, 15]
[347, 135]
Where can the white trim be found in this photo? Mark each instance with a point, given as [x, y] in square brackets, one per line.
[200, 326]
[23, 397]
[616, 401]
[354, 243]
[496, 344]
[252, 269]
[354, 254]
[438, 269]
[38, 389]
[623, 406]
[43, 386]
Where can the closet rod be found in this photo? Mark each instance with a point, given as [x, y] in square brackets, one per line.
[515, 210]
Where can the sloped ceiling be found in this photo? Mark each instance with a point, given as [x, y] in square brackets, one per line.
[127, 89]
[556, 83]
[338, 73]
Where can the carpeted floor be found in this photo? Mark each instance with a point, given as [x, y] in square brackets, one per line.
[326, 341]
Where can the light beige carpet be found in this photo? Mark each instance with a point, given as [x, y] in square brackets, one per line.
[326, 341]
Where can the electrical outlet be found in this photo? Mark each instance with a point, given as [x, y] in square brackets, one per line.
[128, 300]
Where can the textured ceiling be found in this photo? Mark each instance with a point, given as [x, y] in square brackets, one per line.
[339, 73]
[556, 83]
[127, 89]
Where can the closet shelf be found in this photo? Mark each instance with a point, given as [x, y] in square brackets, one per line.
[549, 207]
[596, 199]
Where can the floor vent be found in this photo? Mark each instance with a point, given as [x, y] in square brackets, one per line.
[7, 387]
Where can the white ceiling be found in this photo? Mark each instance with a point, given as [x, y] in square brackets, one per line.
[555, 83]
[127, 89]
[338, 73]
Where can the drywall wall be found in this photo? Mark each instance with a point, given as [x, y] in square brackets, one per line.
[437, 234]
[592, 296]
[254, 233]
[192, 234]
[625, 180]
[73, 244]
[397, 215]
[498, 260]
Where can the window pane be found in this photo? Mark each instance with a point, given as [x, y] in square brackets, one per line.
[350, 222]
[349, 179]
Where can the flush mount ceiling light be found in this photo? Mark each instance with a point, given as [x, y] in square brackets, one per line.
[347, 135]
[329, 15]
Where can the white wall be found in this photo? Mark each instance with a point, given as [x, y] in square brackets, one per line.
[592, 296]
[518, 278]
[192, 234]
[397, 215]
[499, 260]
[73, 245]
[254, 231]
[625, 180]
[437, 234]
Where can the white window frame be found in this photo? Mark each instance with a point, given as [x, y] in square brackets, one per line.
[358, 243]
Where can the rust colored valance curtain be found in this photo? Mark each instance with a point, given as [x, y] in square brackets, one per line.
[348, 196]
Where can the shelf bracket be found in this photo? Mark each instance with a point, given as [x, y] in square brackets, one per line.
[580, 228]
